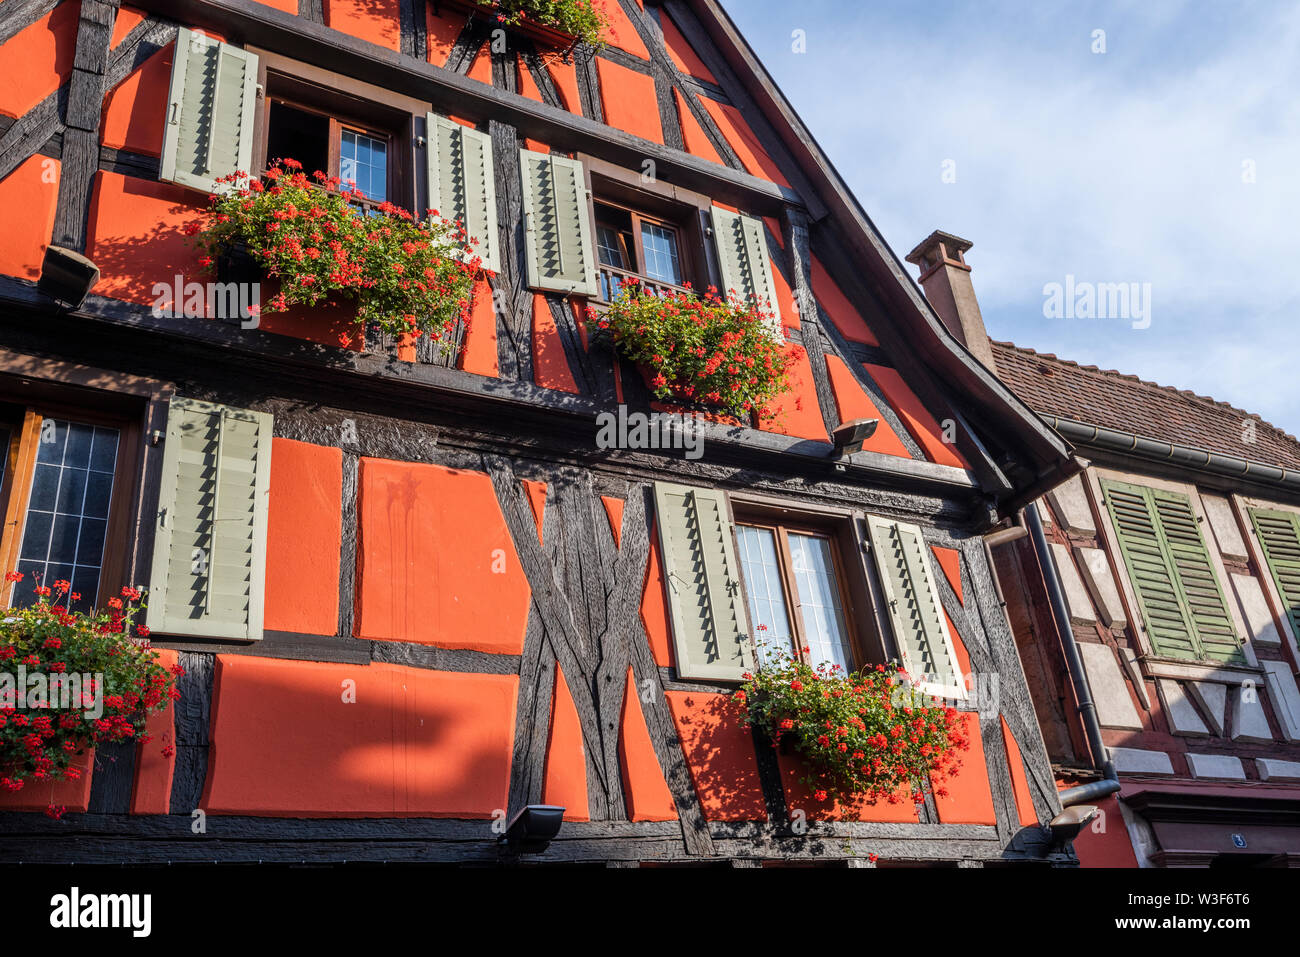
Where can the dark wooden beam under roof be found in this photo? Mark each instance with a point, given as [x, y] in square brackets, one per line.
[245, 21]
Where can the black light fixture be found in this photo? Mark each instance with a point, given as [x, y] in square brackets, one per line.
[1067, 825]
[849, 436]
[67, 275]
[532, 829]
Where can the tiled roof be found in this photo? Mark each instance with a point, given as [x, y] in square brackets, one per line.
[1052, 386]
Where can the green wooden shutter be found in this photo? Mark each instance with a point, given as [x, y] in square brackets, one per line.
[557, 242]
[742, 259]
[209, 126]
[915, 610]
[710, 627]
[462, 183]
[1169, 565]
[210, 543]
[1279, 535]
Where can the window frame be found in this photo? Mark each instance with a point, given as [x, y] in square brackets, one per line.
[62, 403]
[858, 598]
[681, 210]
[347, 104]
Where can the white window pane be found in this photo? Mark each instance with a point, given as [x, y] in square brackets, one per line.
[762, 571]
[819, 598]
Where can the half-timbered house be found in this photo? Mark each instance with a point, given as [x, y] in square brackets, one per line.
[429, 598]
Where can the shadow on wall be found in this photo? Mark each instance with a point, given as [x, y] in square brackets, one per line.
[306, 739]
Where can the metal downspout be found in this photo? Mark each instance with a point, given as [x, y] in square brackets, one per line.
[1073, 664]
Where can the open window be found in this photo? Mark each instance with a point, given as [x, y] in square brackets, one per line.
[358, 135]
[650, 232]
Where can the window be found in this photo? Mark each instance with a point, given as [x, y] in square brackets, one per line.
[632, 244]
[63, 499]
[795, 594]
[340, 134]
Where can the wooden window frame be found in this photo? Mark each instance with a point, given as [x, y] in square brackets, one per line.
[347, 104]
[71, 405]
[684, 211]
[866, 643]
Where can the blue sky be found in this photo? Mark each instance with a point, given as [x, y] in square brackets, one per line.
[1124, 166]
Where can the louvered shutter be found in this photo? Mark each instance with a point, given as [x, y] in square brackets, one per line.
[462, 183]
[210, 544]
[915, 610]
[1279, 536]
[1169, 565]
[710, 627]
[741, 243]
[209, 127]
[557, 242]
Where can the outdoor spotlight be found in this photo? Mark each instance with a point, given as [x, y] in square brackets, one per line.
[67, 276]
[849, 436]
[533, 828]
[1066, 825]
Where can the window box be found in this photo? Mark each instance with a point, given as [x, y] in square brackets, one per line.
[542, 33]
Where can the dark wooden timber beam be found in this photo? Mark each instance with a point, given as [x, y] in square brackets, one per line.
[520, 399]
[245, 21]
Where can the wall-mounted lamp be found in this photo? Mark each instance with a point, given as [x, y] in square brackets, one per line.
[1067, 825]
[67, 276]
[850, 436]
[533, 828]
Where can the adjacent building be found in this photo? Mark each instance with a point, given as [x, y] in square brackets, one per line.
[1171, 664]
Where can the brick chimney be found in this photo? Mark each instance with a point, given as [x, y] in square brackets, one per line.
[945, 277]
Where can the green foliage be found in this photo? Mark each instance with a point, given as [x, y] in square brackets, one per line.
[39, 738]
[863, 735]
[581, 19]
[406, 277]
[701, 349]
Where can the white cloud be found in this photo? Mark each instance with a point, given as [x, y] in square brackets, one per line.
[1125, 166]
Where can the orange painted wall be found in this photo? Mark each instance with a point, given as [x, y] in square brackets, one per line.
[479, 352]
[797, 411]
[1110, 846]
[375, 21]
[442, 30]
[852, 402]
[654, 606]
[799, 797]
[136, 235]
[550, 365]
[39, 795]
[415, 743]
[681, 52]
[644, 788]
[429, 539]
[837, 306]
[621, 33]
[693, 135]
[629, 101]
[565, 781]
[37, 59]
[1019, 780]
[923, 426]
[155, 760]
[743, 141]
[135, 108]
[303, 538]
[33, 188]
[969, 799]
[720, 754]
